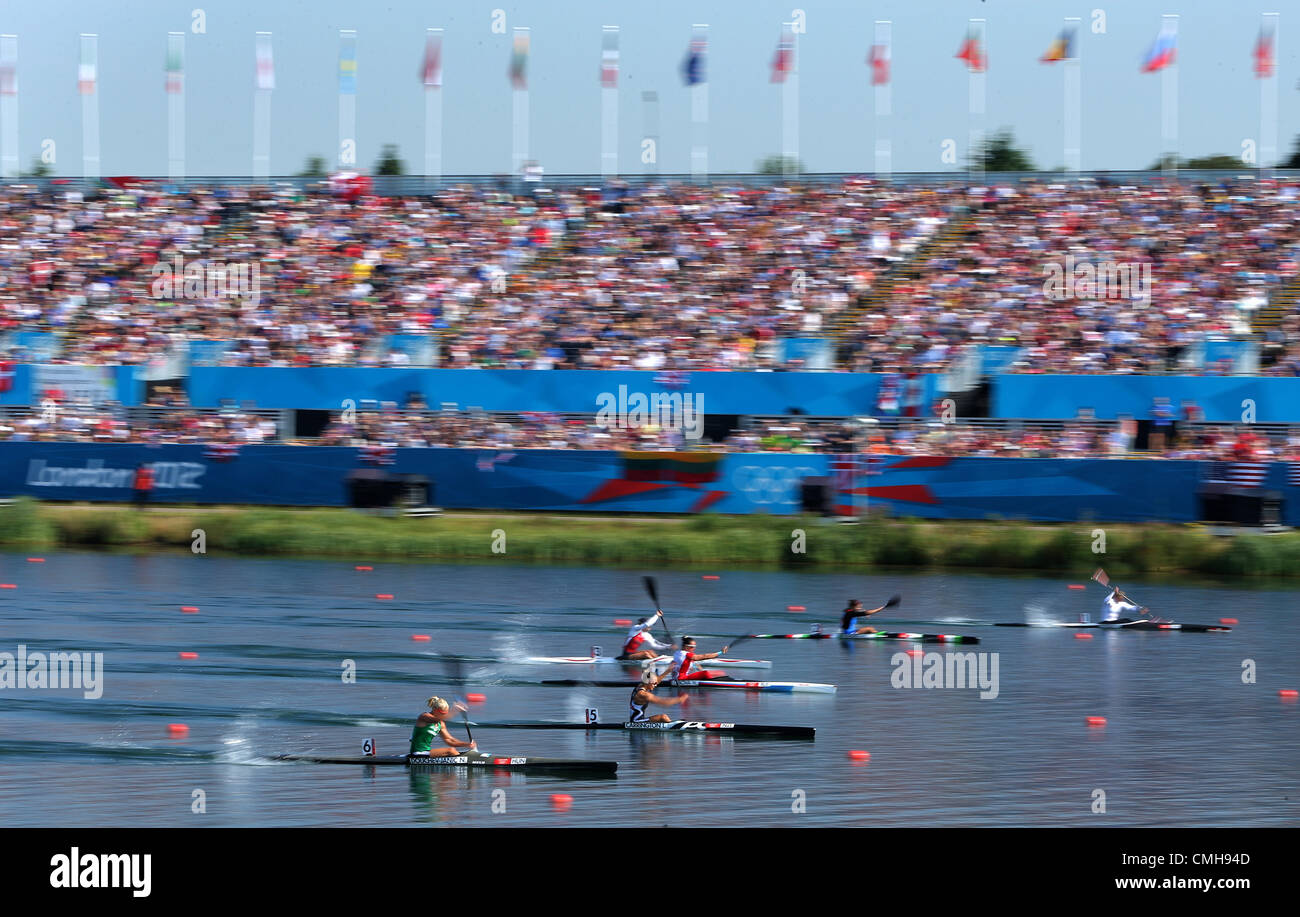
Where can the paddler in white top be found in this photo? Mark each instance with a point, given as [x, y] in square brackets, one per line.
[640, 644]
[683, 664]
[643, 696]
[1117, 606]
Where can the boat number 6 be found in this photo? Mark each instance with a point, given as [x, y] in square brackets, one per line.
[368, 747]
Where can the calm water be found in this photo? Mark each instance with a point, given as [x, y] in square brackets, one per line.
[1187, 742]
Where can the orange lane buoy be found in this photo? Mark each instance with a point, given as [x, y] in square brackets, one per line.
[623, 622]
[857, 754]
[189, 655]
[1227, 620]
[421, 638]
[383, 595]
[561, 800]
[1075, 586]
[189, 609]
[1083, 636]
[1096, 721]
[914, 652]
[364, 569]
[476, 698]
[1288, 693]
[178, 729]
[7, 586]
[36, 560]
[710, 576]
[795, 608]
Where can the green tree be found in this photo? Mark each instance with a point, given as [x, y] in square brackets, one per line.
[1218, 161]
[779, 165]
[314, 167]
[389, 163]
[1294, 161]
[39, 169]
[999, 154]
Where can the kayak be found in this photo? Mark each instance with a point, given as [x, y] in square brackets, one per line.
[724, 662]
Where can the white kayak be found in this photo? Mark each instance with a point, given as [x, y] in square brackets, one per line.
[721, 662]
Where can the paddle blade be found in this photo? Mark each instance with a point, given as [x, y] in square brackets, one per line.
[732, 644]
[893, 601]
[651, 589]
[1101, 577]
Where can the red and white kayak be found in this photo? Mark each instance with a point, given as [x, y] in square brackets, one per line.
[721, 662]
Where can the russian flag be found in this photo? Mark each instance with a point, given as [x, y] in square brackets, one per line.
[1162, 52]
[1264, 55]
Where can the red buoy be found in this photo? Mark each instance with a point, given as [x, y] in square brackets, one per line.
[383, 595]
[1227, 620]
[1096, 721]
[1083, 636]
[36, 560]
[364, 569]
[623, 622]
[7, 586]
[189, 655]
[177, 729]
[421, 638]
[561, 801]
[189, 609]
[710, 576]
[1075, 586]
[1288, 693]
[859, 755]
[914, 652]
[795, 608]
[476, 698]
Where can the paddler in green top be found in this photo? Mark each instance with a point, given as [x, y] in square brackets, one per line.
[432, 724]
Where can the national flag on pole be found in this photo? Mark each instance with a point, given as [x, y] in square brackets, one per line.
[431, 70]
[348, 64]
[1162, 53]
[1264, 54]
[86, 69]
[972, 53]
[1061, 49]
[8, 77]
[175, 62]
[519, 61]
[693, 65]
[609, 60]
[783, 60]
[879, 61]
[265, 63]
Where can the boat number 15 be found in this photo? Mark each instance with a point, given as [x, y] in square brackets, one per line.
[593, 715]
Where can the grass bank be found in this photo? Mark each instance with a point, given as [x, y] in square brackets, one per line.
[699, 541]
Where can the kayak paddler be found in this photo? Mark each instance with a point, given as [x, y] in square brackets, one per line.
[683, 664]
[849, 620]
[643, 696]
[640, 644]
[433, 724]
[1117, 605]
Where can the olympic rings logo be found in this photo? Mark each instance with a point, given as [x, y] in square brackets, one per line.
[771, 483]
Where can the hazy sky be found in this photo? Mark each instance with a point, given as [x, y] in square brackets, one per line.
[1219, 96]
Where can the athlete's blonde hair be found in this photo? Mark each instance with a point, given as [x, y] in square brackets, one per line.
[437, 703]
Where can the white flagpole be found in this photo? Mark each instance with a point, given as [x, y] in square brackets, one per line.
[700, 114]
[263, 86]
[88, 79]
[347, 149]
[609, 104]
[650, 131]
[1169, 100]
[520, 151]
[9, 164]
[176, 105]
[883, 43]
[1072, 103]
[433, 113]
[790, 104]
[1268, 98]
[977, 102]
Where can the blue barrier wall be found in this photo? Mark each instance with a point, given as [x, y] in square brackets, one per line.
[559, 391]
[1276, 399]
[1049, 490]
